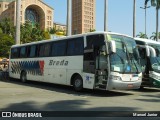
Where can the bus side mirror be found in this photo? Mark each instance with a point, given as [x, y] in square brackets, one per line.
[152, 52]
[113, 46]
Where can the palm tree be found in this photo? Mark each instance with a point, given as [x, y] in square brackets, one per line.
[142, 35]
[155, 3]
[154, 35]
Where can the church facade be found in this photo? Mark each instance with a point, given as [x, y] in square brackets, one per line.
[35, 11]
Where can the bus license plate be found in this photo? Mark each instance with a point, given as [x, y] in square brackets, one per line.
[130, 86]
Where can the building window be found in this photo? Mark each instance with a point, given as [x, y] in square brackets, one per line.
[32, 15]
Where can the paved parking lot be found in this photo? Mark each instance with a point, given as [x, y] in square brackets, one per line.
[33, 96]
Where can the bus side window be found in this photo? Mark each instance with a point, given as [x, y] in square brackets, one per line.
[75, 46]
[32, 51]
[23, 52]
[41, 50]
[44, 50]
[59, 48]
[14, 53]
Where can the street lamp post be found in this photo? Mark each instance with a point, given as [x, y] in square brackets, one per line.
[145, 8]
[106, 15]
[69, 2]
[134, 18]
[18, 10]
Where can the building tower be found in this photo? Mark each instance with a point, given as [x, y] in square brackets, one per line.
[83, 16]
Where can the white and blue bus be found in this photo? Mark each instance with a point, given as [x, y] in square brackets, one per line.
[97, 60]
[150, 61]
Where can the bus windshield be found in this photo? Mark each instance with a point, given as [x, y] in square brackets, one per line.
[125, 60]
[155, 61]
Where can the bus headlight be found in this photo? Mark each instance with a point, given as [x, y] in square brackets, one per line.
[115, 77]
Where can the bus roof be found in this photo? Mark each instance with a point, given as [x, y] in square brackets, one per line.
[72, 36]
[147, 41]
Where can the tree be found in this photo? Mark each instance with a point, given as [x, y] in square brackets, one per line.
[52, 30]
[142, 35]
[154, 35]
[7, 26]
[6, 42]
[1, 31]
[155, 3]
[46, 35]
[32, 34]
[92, 30]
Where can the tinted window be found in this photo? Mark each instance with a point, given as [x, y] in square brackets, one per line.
[14, 53]
[44, 50]
[142, 52]
[59, 48]
[23, 52]
[95, 40]
[89, 56]
[32, 51]
[75, 46]
[140, 43]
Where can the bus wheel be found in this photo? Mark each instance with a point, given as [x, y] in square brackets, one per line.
[23, 77]
[78, 83]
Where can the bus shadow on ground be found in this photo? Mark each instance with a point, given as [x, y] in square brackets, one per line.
[68, 89]
[58, 109]
[148, 89]
[149, 100]
[152, 96]
[63, 105]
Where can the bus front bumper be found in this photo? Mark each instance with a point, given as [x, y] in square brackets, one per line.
[120, 85]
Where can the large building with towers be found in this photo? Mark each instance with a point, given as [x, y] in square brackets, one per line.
[83, 16]
[35, 11]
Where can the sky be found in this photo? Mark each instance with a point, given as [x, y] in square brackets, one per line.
[120, 15]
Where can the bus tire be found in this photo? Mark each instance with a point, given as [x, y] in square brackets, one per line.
[78, 83]
[23, 76]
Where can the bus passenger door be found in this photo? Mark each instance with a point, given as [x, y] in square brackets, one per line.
[101, 68]
[95, 71]
[89, 69]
